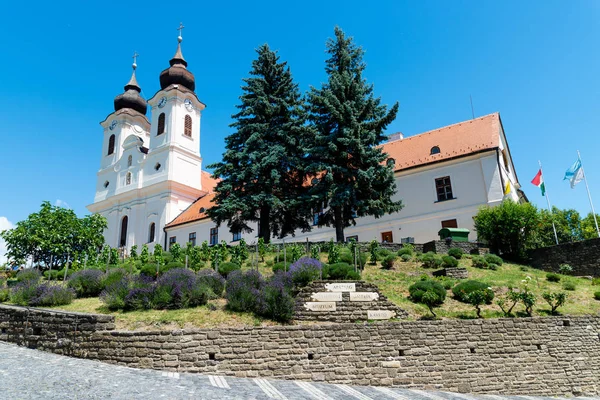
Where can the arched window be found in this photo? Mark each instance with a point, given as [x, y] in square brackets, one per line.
[111, 145]
[123, 241]
[161, 124]
[435, 150]
[187, 127]
[128, 178]
[151, 232]
[129, 161]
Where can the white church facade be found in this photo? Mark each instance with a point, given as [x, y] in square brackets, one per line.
[152, 190]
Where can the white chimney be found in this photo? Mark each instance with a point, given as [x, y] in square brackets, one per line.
[395, 136]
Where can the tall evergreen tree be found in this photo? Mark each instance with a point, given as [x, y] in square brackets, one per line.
[261, 172]
[354, 179]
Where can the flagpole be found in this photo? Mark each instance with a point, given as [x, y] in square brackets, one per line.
[548, 200]
[588, 192]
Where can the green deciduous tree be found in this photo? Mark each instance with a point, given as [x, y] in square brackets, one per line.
[54, 233]
[262, 178]
[509, 228]
[354, 179]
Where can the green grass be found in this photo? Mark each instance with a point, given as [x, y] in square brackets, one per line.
[394, 284]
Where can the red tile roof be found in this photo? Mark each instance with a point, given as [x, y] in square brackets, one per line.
[456, 140]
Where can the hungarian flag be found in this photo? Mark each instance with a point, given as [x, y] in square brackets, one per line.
[539, 182]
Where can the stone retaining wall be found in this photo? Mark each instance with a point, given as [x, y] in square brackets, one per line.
[349, 308]
[543, 356]
[583, 256]
[442, 247]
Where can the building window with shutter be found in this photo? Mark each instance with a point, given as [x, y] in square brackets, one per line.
[214, 236]
[443, 188]
[172, 241]
[187, 128]
[237, 236]
[192, 238]
[161, 124]
[111, 145]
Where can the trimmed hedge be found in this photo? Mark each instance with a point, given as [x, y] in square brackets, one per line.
[462, 291]
[341, 271]
[418, 289]
[456, 253]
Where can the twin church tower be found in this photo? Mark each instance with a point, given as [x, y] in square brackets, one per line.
[150, 170]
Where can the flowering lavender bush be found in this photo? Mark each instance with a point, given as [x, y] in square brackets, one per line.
[305, 270]
[86, 283]
[275, 301]
[213, 279]
[114, 275]
[32, 293]
[29, 275]
[243, 290]
[114, 294]
[180, 288]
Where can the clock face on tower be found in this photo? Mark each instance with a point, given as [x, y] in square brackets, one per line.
[188, 104]
[162, 102]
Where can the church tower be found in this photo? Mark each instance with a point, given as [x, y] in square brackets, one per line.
[150, 172]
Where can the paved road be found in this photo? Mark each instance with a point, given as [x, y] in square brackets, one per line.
[32, 374]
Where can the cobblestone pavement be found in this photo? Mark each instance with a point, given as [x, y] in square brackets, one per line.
[32, 374]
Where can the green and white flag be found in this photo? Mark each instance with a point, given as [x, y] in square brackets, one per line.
[539, 182]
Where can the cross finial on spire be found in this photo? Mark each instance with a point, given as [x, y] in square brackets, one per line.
[180, 38]
[135, 56]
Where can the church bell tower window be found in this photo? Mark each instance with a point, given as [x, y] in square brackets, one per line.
[187, 128]
[161, 124]
[111, 145]
[128, 178]
[129, 160]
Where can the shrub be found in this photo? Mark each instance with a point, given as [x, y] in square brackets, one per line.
[243, 290]
[305, 270]
[493, 259]
[333, 255]
[172, 265]
[4, 294]
[179, 288]
[86, 283]
[383, 253]
[428, 292]
[462, 291]
[346, 256]
[552, 277]
[555, 300]
[479, 262]
[430, 260]
[418, 289]
[456, 253]
[48, 295]
[569, 286]
[198, 266]
[406, 257]
[275, 301]
[213, 279]
[597, 295]
[228, 267]
[29, 275]
[373, 246]
[405, 251]
[527, 297]
[388, 261]
[565, 269]
[446, 282]
[150, 270]
[115, 293]
[281, 266]
[340, 271]
[508, 302]
[32, 293]
[114, 275]
[449, 262]
[479, 297]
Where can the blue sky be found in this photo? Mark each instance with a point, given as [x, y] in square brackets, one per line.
[535, 62]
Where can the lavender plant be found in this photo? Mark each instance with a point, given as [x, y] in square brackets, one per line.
[305, 270]
[243, 290]
[86, 283]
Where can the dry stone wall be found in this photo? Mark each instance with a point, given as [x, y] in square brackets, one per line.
[344, 301]
[583, 256]
[543, 356]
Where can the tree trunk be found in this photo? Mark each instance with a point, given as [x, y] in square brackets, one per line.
[265, 224]
[339, 224]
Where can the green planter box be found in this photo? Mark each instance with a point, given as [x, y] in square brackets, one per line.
[456, 234]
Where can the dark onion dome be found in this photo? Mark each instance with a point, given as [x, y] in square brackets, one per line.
[177, 73]
[131, 98]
